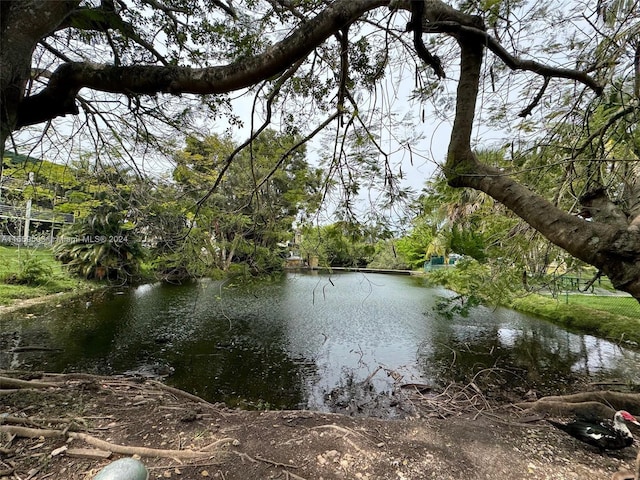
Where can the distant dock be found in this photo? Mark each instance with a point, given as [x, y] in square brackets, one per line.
[367, 270]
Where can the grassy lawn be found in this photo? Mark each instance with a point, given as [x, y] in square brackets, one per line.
[14, 259]
[613, 317]
[625, 306]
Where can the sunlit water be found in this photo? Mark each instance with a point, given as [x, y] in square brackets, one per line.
[286, 343]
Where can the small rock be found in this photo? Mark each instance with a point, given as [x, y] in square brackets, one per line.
[128, 468]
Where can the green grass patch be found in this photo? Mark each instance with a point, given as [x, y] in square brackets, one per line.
[594, 315]
[626, 306]
[29, 273]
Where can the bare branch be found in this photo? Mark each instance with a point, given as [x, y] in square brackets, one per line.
[306, 139]
[527, 111]
[343, 39]
[610, 122]
[511, 61]
[636, 68]
[271, 97]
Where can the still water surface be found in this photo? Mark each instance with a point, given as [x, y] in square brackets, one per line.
[286, 343]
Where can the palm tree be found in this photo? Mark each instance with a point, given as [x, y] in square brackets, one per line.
[100, 246]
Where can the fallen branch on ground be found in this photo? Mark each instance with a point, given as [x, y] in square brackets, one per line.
[7, 382]
[104, 445]
[181, 393]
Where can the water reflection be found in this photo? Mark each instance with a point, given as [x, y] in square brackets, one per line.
[287, 343]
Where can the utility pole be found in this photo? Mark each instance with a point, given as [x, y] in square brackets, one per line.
[27, 214]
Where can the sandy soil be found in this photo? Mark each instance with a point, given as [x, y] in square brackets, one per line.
[453, 436]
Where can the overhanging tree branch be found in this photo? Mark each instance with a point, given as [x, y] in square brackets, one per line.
[608, 247]
[514, 63]
[58, 98]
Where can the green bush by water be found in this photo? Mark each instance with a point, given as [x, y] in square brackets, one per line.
[32, 270]
[607, 316]
[29, 273]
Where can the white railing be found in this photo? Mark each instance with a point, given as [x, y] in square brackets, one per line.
[37, 215]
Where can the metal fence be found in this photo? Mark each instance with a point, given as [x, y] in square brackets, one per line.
[35, 215]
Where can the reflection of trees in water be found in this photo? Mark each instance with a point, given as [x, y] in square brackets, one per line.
[240, 372]
[269, 345]
[514, 360]
[239, 358]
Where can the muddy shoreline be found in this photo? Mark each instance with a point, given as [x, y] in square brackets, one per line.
[95, 420]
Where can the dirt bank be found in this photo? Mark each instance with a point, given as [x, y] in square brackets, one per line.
[55, 299]
[74, 419]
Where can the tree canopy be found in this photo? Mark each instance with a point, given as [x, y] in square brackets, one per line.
[562, 80]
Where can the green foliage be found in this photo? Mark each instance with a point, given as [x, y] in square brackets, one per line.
[468, 242]
[388, 256]
[101, 246]
[414, 246]
[459, 305]
[260, 192]
[581, 317]
[618, 305]
[338, 245]
[41, 267]
[489, 284]
[52, 186]
[32, 270]
[179, 259]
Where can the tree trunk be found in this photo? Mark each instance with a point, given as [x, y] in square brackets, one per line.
[608, 242]
[22, 26]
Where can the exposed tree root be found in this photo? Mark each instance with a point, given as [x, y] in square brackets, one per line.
[112, 447]
[41, 422]
[6, 382]
[569, 409]
[600, 404]
[181, 393]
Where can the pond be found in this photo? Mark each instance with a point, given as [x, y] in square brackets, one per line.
[293, 341]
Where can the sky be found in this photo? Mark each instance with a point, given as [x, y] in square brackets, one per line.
[418, 163]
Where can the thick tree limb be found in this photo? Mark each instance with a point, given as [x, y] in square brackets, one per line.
[58, 98]
[23, 25]
[611, 248]
[592, 409]
[415, 26]
[587, 405]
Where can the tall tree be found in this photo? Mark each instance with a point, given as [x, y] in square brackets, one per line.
[258, 197]
[312, 57]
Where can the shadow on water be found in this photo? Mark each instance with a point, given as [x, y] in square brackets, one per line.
[302, 340]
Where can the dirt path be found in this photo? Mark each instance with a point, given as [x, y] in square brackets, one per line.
[489, 443]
